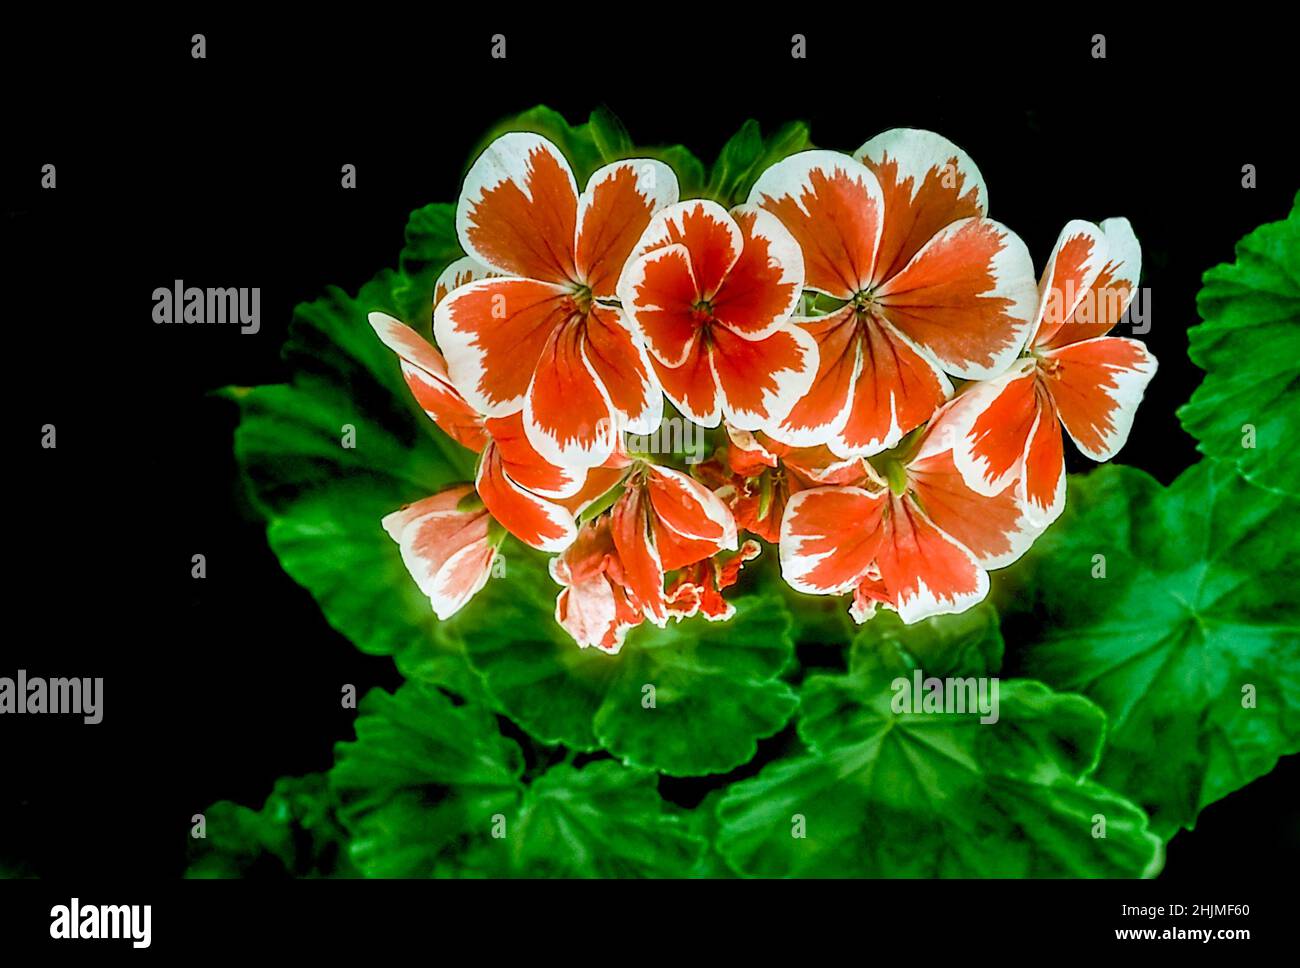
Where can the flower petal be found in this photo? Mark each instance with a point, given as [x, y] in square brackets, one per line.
[833, 206]
[534, 520]
[493, 333]
[567, 411]
[969, 297]
[1110, 294]
[994, 529]
[1041, 487]
[425, 374]
[693, 386]
[924, 571]
[446, 550]
[525, 466]
[761, 380]
[518, 209]
[1097, 385]
[1071, 271]
[460, 273]
[821, 412]
[988, 428]
[830, 537]
[689, 508]
[622, 368]
[658, 293]
[643, 572]
[613, 212]
[710, 235]
[927, 183]
[898, 388]
[763, 287]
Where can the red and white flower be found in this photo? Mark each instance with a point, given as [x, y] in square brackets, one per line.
[757, 475]
[663, 521]
[523, 491]
[1010, 428]
[923, 545]
[710, 292]
[542, 340]
[446, 545]
[930, 287]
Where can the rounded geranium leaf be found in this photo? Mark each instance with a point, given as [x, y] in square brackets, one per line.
[1247, 410]
[1174, 609]
[695, 697]
[935, 794]
[424, 781]
[688, 699]
[600, 820]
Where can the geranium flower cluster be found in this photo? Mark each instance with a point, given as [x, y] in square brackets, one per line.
[881, 375]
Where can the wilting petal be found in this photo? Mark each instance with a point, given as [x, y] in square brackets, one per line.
[1097, 385]
[524, 465]
[567, 412]
[614, 210]
[493, 333]
[426, 376]
[1071, 271]
[969, 297]
[927, 183]
[898, 388]
[692, 387]
[535, 521]
[821, 412]
[925, 572]
[594, 607]
[760, 380]
[622, 368]
[994, 529]
[698, 590]
[988, 428]
[460, 273]
[446, 550]
[764, 285]
[833, 207]
[746, 454]
[707, 231]
[658, 294]
[1105, 303]
[830, 537]
[643, 571]
[518, 209]
[1041, 487]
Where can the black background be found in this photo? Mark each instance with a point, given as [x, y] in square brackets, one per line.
[225, 172]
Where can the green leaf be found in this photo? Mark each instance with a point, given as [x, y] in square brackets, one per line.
[294, 834]
[716, 686]
[324, 501]
[1188, 642]
[612, 140]
[1248, 345]
[424, 782]
[747, 155]
[603, 820]
[431, 246]
[967, 644]
[716, 691]
[917, 794]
